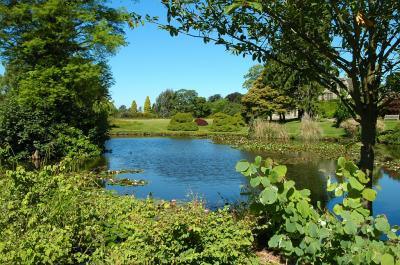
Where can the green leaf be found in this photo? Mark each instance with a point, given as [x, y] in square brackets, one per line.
[355, 184]
[254, 182]
[387, 259]
[341, 162]
[229, 9]
[242, 166]
[280, 170]
[268, 162]
[382, 224]
[290, 227]
[350, 228]
[269, 195]
[304, 208]
[265, 182]
[257, 161]
[274, 241]
[369, 194]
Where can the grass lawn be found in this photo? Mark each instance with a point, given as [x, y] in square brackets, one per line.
[328, 130]
[157, 127]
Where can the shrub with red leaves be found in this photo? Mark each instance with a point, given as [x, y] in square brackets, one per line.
[201, 122]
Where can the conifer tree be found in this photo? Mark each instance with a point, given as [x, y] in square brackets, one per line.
[134, 107]
[147, 105]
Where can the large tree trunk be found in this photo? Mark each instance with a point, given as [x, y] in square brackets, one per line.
[368, 138]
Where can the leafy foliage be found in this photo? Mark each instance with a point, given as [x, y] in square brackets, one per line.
[226, 123]
[391, 137]
[55, 68]
[182, 122]
[147, 105]
[53, 216]
[311, 235]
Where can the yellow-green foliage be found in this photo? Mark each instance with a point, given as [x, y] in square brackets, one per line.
[147, 105]
[182, 122]
[225, 123]
[266, 130]
[50, 217]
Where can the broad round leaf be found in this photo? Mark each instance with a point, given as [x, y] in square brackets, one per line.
[242, 166]
[268, 195]
[369, 194]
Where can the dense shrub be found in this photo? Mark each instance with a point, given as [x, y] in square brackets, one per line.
[391, 137]
[309, 129]
[24, 131]
[266, 130]
[53, 217]
[201, 122]
[182, 122]
[311, 235]
[225, 123]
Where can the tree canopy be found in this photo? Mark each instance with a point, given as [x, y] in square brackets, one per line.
[326, 39]
[55, 56]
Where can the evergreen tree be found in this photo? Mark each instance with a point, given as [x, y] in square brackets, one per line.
[147, 105]
[134, 107]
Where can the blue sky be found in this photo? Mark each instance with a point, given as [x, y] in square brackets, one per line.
[154, 61]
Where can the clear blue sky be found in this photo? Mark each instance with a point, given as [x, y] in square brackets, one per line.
[154, 61]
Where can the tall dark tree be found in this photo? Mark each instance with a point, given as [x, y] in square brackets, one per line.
[360, 38]
[214, 98]
[235, 97]
[56, 70]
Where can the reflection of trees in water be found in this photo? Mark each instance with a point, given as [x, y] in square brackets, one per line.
[313, 176]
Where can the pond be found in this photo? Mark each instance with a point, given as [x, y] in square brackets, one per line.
[185, 168]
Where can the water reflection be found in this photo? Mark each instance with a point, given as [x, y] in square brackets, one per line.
[180, 168]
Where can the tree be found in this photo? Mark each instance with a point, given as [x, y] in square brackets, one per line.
[359, 38]
[235, 97]
[259, 101]
[55, 66]
[164, 105]
[252, 75]
[134, 107]
[147, 105]
[214, 98]
[201, 108]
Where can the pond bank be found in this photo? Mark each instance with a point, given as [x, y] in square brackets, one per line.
[387, 157]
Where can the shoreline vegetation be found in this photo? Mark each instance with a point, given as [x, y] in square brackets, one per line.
[332, 144]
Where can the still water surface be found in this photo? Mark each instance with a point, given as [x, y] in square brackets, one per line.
[184, 168]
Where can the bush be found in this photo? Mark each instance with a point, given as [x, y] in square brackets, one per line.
[309, 129]
[311, 235]
[224, 123]
[266, 130]
[201, 122]
[182, 122]
[391, 137]
[54, 217]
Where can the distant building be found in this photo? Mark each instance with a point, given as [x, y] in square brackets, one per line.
[329, 95]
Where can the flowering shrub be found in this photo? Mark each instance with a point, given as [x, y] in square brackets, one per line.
[201, 122]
